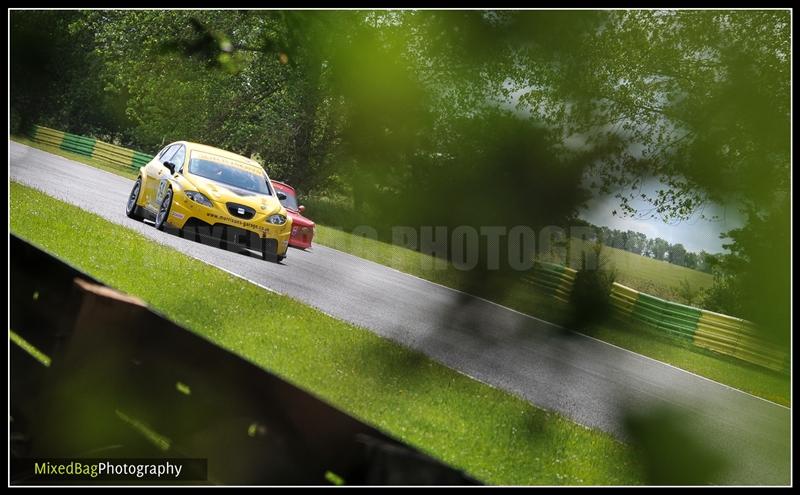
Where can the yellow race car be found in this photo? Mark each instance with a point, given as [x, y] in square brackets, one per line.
[209, 193]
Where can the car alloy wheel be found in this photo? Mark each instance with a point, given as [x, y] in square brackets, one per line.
[132, 209]
[163, 210]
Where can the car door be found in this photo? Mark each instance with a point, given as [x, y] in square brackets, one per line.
[150, 171]
[178, 158]
[156, 171]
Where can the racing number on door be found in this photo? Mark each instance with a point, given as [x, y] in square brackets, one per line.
[162, 189]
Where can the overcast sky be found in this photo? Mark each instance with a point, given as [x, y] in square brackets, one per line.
[695, 234]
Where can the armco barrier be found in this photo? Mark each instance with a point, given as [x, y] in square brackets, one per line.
[675, 320]
[105, 152]
[78, 144]
[95, 374]
[719, 333]
[623, 299]
[738, 338]
[556, 280]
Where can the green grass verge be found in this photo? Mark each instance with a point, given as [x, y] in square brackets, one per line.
[752, 379]
[495, 436]
[652, 276]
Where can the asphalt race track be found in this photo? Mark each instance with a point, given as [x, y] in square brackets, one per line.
[586, 380]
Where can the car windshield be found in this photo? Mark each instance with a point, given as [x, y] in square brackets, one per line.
[229, 175]
[290, 201]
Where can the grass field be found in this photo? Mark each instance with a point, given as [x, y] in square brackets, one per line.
[658, 278]
[493, 435]
[633, 270]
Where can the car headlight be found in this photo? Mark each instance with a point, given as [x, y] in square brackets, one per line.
[277, 219]
[198, 198]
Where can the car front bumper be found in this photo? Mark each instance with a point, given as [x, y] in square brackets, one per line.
[201, 221]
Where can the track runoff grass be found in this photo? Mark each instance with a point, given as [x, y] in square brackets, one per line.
[525, 298]
[493, 435]
[633, 270]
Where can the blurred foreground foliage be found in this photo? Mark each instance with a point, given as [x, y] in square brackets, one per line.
[590, 298]
[452, 118]
[459, 118]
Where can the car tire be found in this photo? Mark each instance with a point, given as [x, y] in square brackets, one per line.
[163, 210]
[268, 255]
[133, 210]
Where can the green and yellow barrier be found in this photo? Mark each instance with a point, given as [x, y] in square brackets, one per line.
[556, 280]
[719, 333]
[78, 144]
[738, 338]
[712, 331]
[672, 319]
[107, 153]
[623, 299]
[675, 320]
[48, 136]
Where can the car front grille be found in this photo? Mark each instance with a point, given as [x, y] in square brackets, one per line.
[240, 211]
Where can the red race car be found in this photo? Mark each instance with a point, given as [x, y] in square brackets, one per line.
[302, 227]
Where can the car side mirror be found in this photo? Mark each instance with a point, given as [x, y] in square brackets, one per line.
[170, 166]
[281, 196]
[301, 208]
